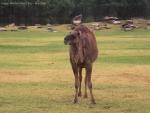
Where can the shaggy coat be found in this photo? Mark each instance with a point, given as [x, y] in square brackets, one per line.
[83, 52]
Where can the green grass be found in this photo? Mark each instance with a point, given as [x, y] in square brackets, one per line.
[36, 76]
[126, 59]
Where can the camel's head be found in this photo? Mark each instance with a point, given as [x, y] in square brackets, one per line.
[72, 38]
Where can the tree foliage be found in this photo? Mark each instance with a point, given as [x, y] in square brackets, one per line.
[61, 11]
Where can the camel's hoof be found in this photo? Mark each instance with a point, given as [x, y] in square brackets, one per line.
[93, 102]
[79, 94]
[85, 96]
[75, 101]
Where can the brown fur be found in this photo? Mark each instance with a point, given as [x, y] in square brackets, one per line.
[83, 52]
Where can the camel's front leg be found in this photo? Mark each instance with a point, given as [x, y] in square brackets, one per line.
[80, 81]
[88, 74]
[75, 71]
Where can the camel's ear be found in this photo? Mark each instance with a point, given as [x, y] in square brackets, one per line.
[79, 33]
[76, 33]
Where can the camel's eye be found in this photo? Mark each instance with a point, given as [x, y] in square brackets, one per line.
[78, 33]
[73, 37]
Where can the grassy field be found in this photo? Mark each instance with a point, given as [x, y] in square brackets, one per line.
[36, 76]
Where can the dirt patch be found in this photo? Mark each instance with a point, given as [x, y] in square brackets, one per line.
[122, 74]
[33, 75]
[136, 77]
[106, 74]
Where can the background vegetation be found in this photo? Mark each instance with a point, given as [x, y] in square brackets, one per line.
[62, 11]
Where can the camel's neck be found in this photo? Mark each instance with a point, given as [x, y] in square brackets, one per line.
[74, 49]
[76, 53]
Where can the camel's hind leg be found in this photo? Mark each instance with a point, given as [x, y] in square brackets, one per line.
[85, 92]
[88, 74]
[80, 81]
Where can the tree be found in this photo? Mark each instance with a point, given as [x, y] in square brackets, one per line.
[62, 11]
